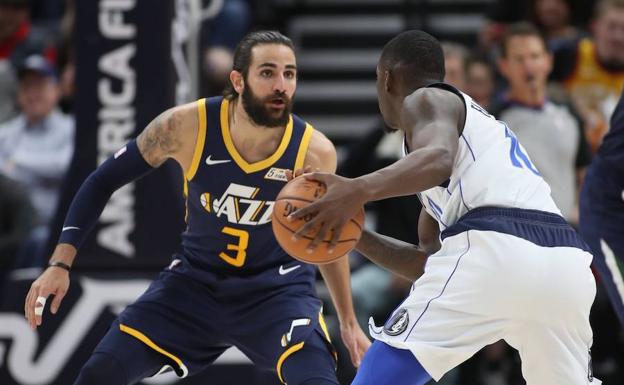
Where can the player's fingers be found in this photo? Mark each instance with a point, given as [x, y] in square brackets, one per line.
[318, 238]
[317, 176]
[40, 302]
[306, 229]
[26, 302]
[335, 237]
[301, 171]
[310, 209]
[30, 306]
[289, 175]
[56, 302]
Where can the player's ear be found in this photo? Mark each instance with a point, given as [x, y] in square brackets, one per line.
[387, 80]
[237, 81]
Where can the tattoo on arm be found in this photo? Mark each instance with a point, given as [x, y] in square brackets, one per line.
[160, 138]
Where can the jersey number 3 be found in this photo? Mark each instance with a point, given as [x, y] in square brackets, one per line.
[240, 248]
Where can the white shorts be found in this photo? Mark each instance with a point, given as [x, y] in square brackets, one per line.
[483, 286]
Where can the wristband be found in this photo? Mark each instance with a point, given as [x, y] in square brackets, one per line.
[59, 264]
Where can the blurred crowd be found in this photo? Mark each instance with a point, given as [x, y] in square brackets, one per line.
[553, 70]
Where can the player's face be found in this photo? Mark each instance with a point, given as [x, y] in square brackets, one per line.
[609, 36]
[526, 63]
[270, 85]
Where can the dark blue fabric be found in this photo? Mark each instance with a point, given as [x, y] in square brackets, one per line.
[602, 218]
[386, 365]
[120, 359]
[538, 227]
[612, 147]
[118, 170]
[185, 318]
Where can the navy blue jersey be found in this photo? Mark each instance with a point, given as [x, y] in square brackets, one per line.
[229, 206]
[612, 148]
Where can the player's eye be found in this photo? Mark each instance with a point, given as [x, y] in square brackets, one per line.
[290, 75]
[266, 73]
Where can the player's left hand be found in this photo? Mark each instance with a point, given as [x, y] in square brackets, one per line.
[355, 340]
[343, 199]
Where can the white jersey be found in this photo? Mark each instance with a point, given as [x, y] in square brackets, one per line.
[491, 169]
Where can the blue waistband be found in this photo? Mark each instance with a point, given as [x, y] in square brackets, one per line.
[538, 227]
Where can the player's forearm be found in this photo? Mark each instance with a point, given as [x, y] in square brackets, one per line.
[337, 277]
[398, 257]
[65, 253]
[418, 171]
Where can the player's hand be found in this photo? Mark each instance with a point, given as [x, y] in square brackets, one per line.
[355, 340]
[300, 171]
[330, 213]
[53, 281]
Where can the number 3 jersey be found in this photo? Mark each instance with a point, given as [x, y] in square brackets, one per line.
[229, 242]
[491, 168]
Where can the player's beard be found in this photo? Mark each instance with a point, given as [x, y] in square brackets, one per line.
[261, 113]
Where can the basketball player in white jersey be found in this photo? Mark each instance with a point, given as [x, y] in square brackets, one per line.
[496, 259]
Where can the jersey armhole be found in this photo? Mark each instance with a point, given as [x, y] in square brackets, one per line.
[201, 139]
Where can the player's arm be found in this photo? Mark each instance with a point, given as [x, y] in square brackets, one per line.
[402, 258]
[432, 119]
[321, 156]
[170, 135]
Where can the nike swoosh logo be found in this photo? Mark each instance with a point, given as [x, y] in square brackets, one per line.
[70, 228]
[284, 271]
[211, 162]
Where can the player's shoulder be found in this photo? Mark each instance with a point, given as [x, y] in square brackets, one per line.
[320, 144]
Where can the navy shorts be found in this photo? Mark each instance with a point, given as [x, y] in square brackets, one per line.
[602, 225]
[180, 319]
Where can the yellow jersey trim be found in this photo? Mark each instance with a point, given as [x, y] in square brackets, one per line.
[201, 139]
[143, 338]
[285, 355]
[326, 332]
[303, 147]
[240, 161]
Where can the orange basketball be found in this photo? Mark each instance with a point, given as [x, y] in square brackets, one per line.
[298, 193]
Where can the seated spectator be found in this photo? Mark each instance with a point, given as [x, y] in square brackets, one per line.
[455, 58]
[554, 19]
[16, 216]
[36, 146]
[592, 69]
[551, 133]
[480, 82]
[220, 36]
[18, 39]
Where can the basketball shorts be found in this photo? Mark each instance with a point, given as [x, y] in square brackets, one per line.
[602, 226]
[180, 319]
[528, 283]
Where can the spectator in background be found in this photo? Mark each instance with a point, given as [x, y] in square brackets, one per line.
[554, 19]
[455, 58]
[18, 39]
[16, 216]
[36, 146]
[220, 36]
[592, 69]
[551, 133]
[480, 82]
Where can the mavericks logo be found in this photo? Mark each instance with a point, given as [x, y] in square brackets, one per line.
[397, 323]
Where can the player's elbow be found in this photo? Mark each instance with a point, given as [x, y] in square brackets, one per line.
[442, 163]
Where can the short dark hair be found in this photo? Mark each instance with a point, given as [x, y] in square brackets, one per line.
[522, 28]
[419, 52]
[242, 54]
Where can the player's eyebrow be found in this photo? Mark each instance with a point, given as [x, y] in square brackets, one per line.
[273, 65]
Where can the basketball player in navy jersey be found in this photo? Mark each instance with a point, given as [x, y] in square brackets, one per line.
[232, 285]
[496, 260]
[602, 210]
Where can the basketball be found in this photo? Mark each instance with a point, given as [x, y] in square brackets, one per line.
[297, 194]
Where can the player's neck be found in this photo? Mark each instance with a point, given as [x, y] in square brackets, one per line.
[253, 142]
[534, 97]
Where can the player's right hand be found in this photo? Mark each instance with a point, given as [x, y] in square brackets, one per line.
[53, 281]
